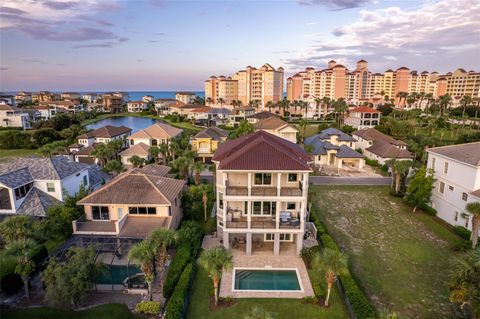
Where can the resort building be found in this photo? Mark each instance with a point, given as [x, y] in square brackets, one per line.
[332, 147]
[206, 142]
[30, 185]
[70, 95]
[278, 127]
[12, 116]
[90, 97]
[264, 84]
[66, 105]
[44, 96]
[133, 204]
[363, 117]
[262, 190]
[456, 169]
[377, 146]
[112, 103]
[137, 106]
[23, 97]
[185, 97]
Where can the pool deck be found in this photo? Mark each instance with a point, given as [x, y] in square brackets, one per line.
[287, 260]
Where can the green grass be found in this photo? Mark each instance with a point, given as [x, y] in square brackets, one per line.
[401, 259]
[109, 311]
[283, 308]
[7, 154]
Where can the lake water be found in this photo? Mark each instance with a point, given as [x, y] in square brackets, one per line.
[135, 123]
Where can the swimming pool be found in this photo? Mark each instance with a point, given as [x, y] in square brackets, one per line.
[266, 279]
[116, 274]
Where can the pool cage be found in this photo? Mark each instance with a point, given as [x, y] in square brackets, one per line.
[119, 272]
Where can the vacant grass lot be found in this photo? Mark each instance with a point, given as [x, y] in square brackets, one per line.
[110, 311]
[8, 154]
[198, 307]
[401, 259]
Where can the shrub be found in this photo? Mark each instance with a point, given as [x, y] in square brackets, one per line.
[429, 210]
[372, 162]
[328, 242]
[176, 302]
[463, 232]
[310, 299]
[307, 255]
[182, 258]
[360, 305]
[318, 290]
[462, 245]
[384, 168]
[148, 307]
[38, 254]
[11, 283]
[15, 139]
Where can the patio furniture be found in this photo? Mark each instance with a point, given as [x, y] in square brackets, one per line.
[241, 241]
[285, 217]
[236, 215]
[295, 222]
[258, 242]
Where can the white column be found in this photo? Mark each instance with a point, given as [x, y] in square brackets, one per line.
[249, 244]
[226, 242]
[305, 185]
[249, 214]
[224, 181]
[277, 215]
[276, 244]
[302, 215]
[279, 183]
[225, 205]
[299, 243]
[249, 184]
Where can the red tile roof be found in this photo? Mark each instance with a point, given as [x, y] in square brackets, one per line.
[364, 109]
[261, 151]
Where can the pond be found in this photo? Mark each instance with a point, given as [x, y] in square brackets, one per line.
[135, 123]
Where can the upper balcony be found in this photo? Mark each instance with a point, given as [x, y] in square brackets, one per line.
[264, 191]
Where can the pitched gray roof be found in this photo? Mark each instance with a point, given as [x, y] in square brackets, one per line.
[347, 152]
[96, 175]
[36, 203]
[326, 133]
[16, 178]
[467, 153]
[212, 132]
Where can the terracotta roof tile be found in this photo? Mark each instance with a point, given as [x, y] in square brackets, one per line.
[364, 109]
[158, 130]
[375, 135]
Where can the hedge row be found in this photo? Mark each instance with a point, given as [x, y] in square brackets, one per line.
[463, 232]
[183, 256]
[177, 301]
[429, 210]
[148, 307]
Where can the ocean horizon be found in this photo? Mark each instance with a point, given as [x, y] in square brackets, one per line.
[134, 95]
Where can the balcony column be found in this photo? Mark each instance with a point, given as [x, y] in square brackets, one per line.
[224, 182]
[249, 214]
[305, 185]
[277, 215]
[302, 215]
[279, 183]
[249, 184]
[249, 244]
[226, 240]
[299, 243]
[225, 208]
[276, 244]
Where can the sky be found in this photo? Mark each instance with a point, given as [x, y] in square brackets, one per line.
[162, 45]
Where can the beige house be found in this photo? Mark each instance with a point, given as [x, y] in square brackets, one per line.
[137, 106]
[12, 116]
[140, 150]
[278, 127]
[154, 135]
[206, 142]
[132, 205]
[363, 117]
[262, 190]
[185, 97]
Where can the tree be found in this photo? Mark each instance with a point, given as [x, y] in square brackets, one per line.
[15, 228]
[144, 252]
[67, 283]
[420, 188]
[136, 161]
[340, 108]
[244, 128]
[465, 283]
[161, 239]
[21, 249]
[58, 223]
[182, 165]
[466, 99]
[333, 263]
[445, 101]
[197, 168]
[115, 167]
[154, 151]
[209, 100]
[269, 105]
[303, 124]
[399, 169]
[221, 101]
[474, 209]
[259, 313]
[214, 261]
[190, 232]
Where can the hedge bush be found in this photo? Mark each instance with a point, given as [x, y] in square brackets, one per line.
[429, 210]
[307, 254]
[360, 305]
[371, 162]
[148, 307]
[463, 232]
[176, 302]
[318, 290]
[328, 242]
[182, 257]
[38, 254]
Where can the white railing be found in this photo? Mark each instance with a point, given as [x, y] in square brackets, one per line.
[119, 223]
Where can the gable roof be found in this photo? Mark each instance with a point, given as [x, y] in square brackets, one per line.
[372, 134]
[467, 153]
[87, 150]
[364, 109]
[106, 131]
[36, 203]
[387, 150]
[153, 169]
[158, 130]
[327, 133]
[271, 123]
[261, 115]
[136, 188]
[8, 107]
[214, 133]
[261, 151]
[136, 149]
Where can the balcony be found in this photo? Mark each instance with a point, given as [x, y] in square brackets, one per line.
[288, 220]
[264, 191]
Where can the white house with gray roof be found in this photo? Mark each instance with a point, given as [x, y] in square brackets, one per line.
[30, 185]
[457, 181]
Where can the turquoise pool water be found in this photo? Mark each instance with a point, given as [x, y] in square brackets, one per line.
[116, 274]
[266, 280]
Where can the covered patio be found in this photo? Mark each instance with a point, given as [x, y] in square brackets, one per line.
[248, 244]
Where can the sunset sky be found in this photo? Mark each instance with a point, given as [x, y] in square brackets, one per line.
[169, 45]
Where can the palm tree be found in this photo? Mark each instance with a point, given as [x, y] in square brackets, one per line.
[429, 98]
[466, 99]
[269, 105]
[214, 261]
[144, 252]
[154, 151]
[197, 168]
[340, 107]
[115, 167]
[182, 165]
[465, 282]
[21, 250]
[221, 101]
[19, 227]
[402, 96]
[136, 161]
[445, 101]
[333, 263]
[474, 209]
[209, 100]
[399, 168]
[303, 124]
[164, 150]
[161, 239]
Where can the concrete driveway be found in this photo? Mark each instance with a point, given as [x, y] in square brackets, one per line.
[339, 180]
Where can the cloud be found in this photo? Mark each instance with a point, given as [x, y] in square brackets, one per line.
[97, 21]
[335, 4]
[3, 69]
[11, 10]
[157, 3]
[106, 44]
[153, 41]
[60, 5]
[434, 34]
[140, 60]
[159, 33]
[34, 61]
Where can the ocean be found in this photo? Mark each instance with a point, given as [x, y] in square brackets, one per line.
[137, 95]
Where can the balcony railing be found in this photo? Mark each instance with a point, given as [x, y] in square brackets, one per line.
[264, 191]
[263, 223]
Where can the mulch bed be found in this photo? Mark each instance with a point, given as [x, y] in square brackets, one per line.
[222, 303]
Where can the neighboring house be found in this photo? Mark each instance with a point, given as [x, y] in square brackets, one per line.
[200, 114]
[112, 103]
[140, 150]
[90, 97]
[278, 127]
[148, 98]
[67, 105]
[257, 117]
[335, 148]
[70, 95]
[185, 97]
[457, 181]
[163, 105]
[377, 146]
[239, 114]
[12, 116]
[132, 205]
[30, 185]
[137, 106]
[262, 191]
[206, 142]
[182, 109]
[47, 112]
[23, 97]
[8, 99]
[363, 117]
[33, 115]
[154, 135]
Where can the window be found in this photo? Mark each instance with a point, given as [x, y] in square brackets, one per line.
[132, 142]
[257, 208]
[22, 191]
[100, 213]
[143, 210]
[456, 216]
[5, 199]
[433, 163]
[263, 179]
[85, 180]
[450, 187]
[291, 205]
[283, 237]
[169, 210]
[466, 222]
[464, 197]
[445, 168]
[50, 187]
[220, 200]
[441, 187]
[292, 177]
[264, 208]
[154, 143]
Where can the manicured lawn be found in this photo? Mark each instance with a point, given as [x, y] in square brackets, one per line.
[283, 308]
[401, 259]
[110, 311]
[7, 154]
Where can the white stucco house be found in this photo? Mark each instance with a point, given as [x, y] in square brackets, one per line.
[457, 173]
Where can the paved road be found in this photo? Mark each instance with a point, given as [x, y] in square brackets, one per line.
[332, 180]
